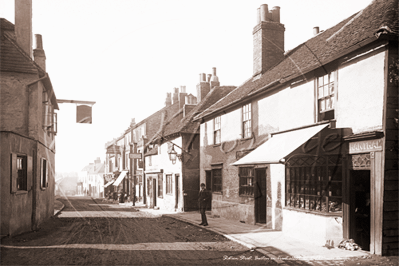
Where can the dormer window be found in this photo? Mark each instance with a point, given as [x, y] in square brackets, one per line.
[326, 92]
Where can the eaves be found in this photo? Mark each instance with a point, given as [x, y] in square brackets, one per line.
[281, 82]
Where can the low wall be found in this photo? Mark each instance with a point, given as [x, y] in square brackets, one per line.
[316, 229]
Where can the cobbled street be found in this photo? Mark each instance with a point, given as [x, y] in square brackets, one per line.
[92, 232]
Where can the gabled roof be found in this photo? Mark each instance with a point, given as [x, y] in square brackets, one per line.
[14, 59]
[186, 125]
[380, 17]
[99, 168]
[153, 122]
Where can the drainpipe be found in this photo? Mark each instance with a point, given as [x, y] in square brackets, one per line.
[144, 178]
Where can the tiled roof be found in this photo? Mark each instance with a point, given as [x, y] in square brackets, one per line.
[185, 125]
[12, 57]
[379, 16]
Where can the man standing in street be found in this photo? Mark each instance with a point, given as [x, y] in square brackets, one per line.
[203, 198]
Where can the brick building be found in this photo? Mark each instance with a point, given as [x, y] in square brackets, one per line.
[308, 144]
[28, 127]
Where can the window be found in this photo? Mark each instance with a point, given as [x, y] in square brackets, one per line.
[314, 183]
[22, 173]
[246, 175]
[160, 186]
[326, 96]
[216, 132]
[246, 121]
[168, 184]
[48, 114]
[43, 173]
[217, 180]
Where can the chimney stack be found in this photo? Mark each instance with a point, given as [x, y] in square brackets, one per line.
[268, 38]
[203, 88]
[215, 80]
[23, 25]
[38, 53]
[175, 95]
[315, 31]
[182, 96]
[168, 100]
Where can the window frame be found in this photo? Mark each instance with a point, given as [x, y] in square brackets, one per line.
[316, 186]
[329, 92]
[217, 130]
[217, 177]
[169, 184]
[160, 186]
[43, 173]
[22, 172]
[244, 186]
[246, 118]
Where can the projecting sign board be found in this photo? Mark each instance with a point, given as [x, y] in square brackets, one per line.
[135, 155]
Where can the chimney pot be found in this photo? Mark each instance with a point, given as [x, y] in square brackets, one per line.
[264, 10]
[276, 14]
[209, 77]
[315, 31]
[203, 79]
[183, 89]
[39, 41]
[258, 16]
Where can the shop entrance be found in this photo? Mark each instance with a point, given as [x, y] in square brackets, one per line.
[260, 195]
[360, 208]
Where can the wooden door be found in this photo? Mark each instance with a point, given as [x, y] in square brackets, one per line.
[154, 191]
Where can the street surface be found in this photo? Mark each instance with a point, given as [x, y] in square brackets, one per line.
[92, 232]
[95, 232]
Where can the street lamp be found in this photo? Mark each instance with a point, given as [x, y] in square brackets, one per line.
[173, 155]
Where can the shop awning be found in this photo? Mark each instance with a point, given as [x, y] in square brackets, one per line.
[120, 178]
[109, 183]
[279, 146]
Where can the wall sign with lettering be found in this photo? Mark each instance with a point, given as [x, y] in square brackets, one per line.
[365, 146]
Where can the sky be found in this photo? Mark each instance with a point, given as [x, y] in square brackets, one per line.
[127, 54]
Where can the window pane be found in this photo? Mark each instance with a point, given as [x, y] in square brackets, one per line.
[332, 102]
[322, 105]
[325, 90]
[320, 92]
[320, 82]
[332, 76]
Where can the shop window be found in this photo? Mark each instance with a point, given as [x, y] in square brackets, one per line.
[326, 90]
[44, 173]
[217, 130]
[246, 121]
[168, 184]
[217, 180]
[314, 183]
[246, 175]
[160, 186]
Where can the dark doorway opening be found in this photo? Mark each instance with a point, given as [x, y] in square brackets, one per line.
[209, 188]
[154, 191]
[176, 191]
[360, 208]
[260, 196]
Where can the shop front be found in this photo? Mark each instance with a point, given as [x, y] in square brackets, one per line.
[303, 174]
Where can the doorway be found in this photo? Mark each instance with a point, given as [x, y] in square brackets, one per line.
[154, 191]
[208, 184]
[360, 208]
[260, 195]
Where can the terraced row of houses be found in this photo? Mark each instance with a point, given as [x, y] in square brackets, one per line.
[307, 145]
